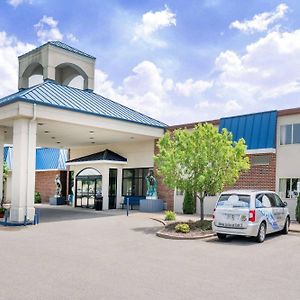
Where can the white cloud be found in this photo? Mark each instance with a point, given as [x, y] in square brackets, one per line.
[47, 29]
[16, 3]
[72, 38]
[10, 49]
[191, 87]
[152, 22]
[261, 22]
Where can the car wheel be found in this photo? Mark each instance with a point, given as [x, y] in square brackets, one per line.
[285, 229]
[221, 236]
[261, 235]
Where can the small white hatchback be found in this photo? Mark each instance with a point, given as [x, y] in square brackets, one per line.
[250, 213]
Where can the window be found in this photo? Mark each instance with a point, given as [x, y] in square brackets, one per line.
[232, 200]
[134, 182]
[260, 160]
[285, 134]
[296, 134]
[289, 187]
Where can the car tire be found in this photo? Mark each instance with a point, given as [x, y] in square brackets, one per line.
[261, 235]
[285, 229]
[221, 236]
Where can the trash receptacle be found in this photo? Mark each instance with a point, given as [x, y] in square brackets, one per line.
[98, 203]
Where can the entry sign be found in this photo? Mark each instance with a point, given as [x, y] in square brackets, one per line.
[298, 186]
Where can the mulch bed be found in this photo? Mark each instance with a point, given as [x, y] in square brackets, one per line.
[198, 230]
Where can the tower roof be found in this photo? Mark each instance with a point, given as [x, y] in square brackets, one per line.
[61, 45]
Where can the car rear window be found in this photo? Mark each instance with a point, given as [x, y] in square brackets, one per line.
[234, 200]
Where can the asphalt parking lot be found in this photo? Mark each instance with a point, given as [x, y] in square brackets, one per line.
[111, 256]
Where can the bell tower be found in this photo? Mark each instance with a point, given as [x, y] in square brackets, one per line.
[57, 61]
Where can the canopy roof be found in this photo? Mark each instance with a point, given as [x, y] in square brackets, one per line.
[52, 94]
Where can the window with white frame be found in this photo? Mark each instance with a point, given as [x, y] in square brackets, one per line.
[289, 187]
[290, 134]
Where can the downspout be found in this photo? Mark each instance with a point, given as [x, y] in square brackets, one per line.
[28, 151]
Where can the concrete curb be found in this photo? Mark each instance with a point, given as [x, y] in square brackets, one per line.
[170, 236]
[159, 220]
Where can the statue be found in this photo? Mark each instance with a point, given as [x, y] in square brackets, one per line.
[58, 186]
[151, 186]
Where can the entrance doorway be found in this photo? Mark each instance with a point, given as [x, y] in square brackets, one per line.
[88, 188]
[112, 190]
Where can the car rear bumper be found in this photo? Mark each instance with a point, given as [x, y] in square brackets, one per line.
[251, 230]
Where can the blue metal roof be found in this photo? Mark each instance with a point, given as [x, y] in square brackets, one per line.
[64, 46]
[53, 94]
[258, 129]
[46, 158]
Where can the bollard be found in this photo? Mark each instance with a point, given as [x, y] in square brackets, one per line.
[127, 202]
[5, 218]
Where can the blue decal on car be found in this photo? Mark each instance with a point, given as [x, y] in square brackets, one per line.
[270, 218]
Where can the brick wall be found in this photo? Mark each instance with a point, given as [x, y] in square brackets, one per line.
[259, 176]
[45, 183]
[163, 192]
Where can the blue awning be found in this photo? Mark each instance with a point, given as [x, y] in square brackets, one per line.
[258, 129]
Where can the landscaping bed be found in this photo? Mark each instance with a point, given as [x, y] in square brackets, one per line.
[196, 230]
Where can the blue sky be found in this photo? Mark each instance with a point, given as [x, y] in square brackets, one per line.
[178, 61]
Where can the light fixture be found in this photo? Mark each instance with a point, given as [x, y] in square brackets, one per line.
[92, 142]
[132, 138]
[91, 138]
[53, 137]
[46, 131]
[91, 131]
[57, 142]
[40, 124]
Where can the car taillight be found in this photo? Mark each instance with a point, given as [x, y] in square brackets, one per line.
[214, 213]
[252, 216]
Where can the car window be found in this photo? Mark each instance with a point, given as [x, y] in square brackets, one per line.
[262, 201]
[234, 200]
[278, 201]
[272, 199]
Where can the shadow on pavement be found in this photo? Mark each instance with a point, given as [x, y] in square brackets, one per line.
[148, 230]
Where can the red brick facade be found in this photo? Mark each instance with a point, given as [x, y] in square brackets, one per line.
[262, 177]
[45, 183]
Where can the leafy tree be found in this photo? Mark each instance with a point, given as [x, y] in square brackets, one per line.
[188, 206]
[202, 160]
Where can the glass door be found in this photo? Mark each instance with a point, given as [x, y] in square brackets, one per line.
[112, 190]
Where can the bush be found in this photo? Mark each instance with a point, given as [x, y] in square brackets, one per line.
[182, 227]
[188, 205]
[37, 197]
[298, 210]
[170, 216]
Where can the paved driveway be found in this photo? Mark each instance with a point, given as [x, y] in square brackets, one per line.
[117, 257]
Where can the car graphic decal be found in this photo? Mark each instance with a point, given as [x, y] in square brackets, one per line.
[270, 218]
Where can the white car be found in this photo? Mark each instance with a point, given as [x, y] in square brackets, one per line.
[250, 213]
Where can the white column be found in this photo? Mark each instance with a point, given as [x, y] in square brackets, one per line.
[1, 161]
[23, 170]
[105, 183]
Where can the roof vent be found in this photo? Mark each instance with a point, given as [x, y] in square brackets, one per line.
[89, 90]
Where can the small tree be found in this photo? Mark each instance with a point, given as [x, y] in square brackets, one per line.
[188, 206]
[298, 210]
[202, 161]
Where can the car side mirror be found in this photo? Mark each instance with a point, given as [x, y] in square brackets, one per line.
[285, 203]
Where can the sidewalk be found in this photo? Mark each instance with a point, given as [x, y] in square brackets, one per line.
[295, 227]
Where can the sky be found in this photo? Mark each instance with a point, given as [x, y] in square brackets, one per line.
[177, 61]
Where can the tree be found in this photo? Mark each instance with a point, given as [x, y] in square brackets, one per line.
[202, 160]
[188, 206]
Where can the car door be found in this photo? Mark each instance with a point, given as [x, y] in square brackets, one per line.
[264, 206]
[280, 210]
[276, 212]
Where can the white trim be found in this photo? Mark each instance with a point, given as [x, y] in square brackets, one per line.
[91, 162]
[260, 151]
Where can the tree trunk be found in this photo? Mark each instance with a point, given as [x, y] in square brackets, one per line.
[201, 208]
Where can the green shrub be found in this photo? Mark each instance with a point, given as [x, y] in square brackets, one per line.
[182, 227]
[298, 210]
[37, 197]
[170, 216]
[188, 206]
